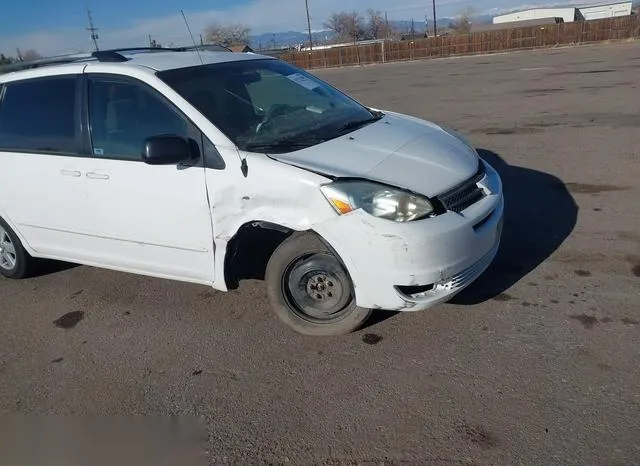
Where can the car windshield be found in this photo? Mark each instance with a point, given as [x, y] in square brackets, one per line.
[267, 105]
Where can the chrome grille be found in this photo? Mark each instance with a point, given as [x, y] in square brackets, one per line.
[465, 194]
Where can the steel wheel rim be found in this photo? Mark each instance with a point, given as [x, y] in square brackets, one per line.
[317, 289]
[8, 258]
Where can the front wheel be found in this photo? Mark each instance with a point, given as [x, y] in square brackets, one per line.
[15, 261]
[310, 290]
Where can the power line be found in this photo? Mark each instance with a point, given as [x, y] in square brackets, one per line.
[94, 34]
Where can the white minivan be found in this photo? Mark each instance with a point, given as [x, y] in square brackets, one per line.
[170, 163]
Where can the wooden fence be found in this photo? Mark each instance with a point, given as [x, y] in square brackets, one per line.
[531, 37]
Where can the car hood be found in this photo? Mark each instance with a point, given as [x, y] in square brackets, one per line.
[398, 150]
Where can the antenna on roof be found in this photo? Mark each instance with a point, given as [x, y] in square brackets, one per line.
[192, 39]
[94, 35]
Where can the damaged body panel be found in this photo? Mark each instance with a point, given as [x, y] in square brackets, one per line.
[382, 255]
[273, 192]
[396, 150]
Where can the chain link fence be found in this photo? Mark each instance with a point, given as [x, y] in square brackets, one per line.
[532, 37]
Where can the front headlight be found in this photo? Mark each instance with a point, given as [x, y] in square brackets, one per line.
[378, 200]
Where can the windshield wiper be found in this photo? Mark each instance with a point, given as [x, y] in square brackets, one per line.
[353, 125]
[283, 145]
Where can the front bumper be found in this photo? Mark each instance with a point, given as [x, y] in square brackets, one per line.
[414, 266]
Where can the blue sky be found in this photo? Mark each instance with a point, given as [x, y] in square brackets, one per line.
[58, 26]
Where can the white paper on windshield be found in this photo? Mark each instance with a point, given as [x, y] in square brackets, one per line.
[303, 81]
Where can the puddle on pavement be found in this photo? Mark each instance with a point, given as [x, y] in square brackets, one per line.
[69, 320]
[586, 320]
[371, 339]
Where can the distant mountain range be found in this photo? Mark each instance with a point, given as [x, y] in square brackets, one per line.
[294, 38]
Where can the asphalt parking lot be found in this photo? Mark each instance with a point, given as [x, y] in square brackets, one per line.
[536, 363]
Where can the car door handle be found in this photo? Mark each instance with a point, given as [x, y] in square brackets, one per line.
[73, 173]
[97, 176]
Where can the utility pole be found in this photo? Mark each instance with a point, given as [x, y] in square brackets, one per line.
[386, 22]
[435, 22]
[94, 34]
[306, 2]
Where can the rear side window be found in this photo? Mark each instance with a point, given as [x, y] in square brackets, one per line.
[40, 116]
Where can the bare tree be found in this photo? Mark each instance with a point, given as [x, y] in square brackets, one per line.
[462, 23]
[347, 26]
[4, 60]
[376, 25]
[336, 24]
[227, 34]
[28, 55]
[355, 26]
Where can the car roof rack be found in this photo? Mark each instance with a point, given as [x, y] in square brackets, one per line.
[116, 55]
[40, 62]
[107, 56]
[209, 47]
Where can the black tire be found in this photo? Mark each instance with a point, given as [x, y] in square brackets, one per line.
[322, 281]
[24, 263]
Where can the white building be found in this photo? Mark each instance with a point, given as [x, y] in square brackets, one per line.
[568, 15]
[605, 11]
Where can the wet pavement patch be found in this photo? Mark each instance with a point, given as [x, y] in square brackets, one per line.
[582, 273]
[69, 320]
[627, 321]
[371, 339]
[479, 435]
[582, 188]
[503, 297]
[584, 319]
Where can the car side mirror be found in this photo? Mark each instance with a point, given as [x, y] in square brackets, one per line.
[167, 150]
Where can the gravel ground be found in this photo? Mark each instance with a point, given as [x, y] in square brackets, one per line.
[536, 363]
